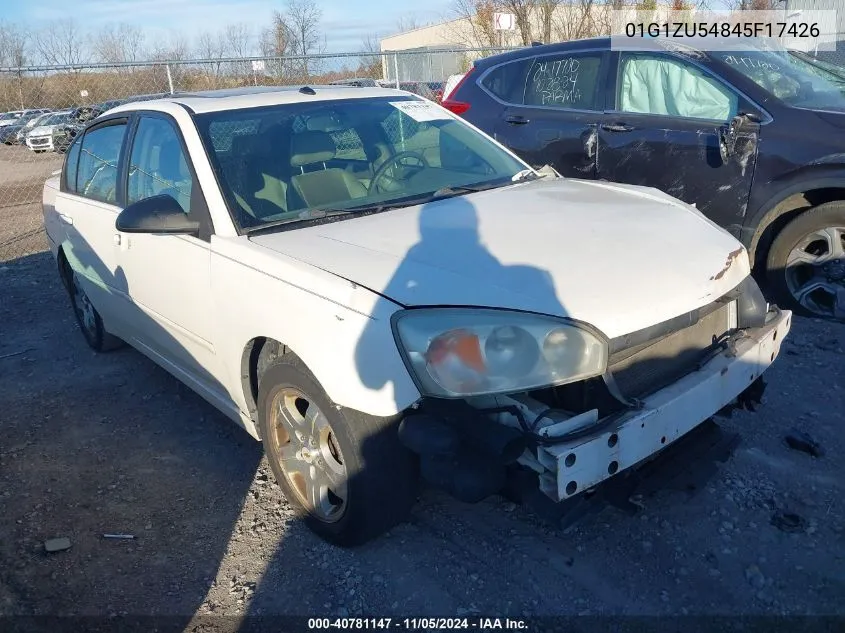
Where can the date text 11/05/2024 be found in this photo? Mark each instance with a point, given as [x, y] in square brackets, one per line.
[723, 29]
[414, 624]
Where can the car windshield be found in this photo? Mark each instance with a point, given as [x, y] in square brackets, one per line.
[54, 119]
[293, 163]
[834, 74]
[10, 116]
[37, 119]
[788, 78]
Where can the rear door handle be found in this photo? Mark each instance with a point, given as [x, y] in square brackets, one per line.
[66, 218]
[616, 127]
[516, 119]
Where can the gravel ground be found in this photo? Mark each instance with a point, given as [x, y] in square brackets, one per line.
[93, 444]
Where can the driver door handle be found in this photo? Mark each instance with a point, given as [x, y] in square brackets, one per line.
[516, 119]
[616, 127]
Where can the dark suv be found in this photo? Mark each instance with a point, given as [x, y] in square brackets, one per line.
[749, 136]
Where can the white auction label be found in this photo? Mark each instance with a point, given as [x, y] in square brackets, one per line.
[421, 110]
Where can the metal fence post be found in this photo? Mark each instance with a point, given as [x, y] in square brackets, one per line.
[169, 78]
[396, 68]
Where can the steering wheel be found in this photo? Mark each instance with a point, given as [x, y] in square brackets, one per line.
[393, 161]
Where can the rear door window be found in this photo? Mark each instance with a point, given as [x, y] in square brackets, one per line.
[569, 81]
[96, 175]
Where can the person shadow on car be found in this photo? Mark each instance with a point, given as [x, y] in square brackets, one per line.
[384, 484]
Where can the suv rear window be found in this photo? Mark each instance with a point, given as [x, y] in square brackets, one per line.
[566, 80]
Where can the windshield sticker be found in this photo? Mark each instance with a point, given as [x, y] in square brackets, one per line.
[421, 110]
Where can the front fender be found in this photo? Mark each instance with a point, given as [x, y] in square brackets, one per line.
[340, 330]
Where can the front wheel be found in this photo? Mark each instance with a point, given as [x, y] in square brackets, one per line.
[345, 472]
[806, 264]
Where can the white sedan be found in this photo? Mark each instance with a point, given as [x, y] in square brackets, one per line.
[40, 137]
[377, 291]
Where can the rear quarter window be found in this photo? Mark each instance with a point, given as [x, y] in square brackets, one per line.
[507, 81]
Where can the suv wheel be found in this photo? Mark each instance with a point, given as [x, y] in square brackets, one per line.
[806, 264]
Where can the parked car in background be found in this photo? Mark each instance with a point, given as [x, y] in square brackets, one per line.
[40, 137]
[437, 89]
[750, 138]
[359, 82]
[64, 133]
[386, 312]
[420, 88]
[450, 84]
[20, 136]
[15, 133]
[10, 118]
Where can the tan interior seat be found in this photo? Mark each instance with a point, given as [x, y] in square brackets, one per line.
[261, 194]
[324, 185]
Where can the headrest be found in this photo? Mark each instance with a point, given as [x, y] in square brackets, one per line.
[323, 123]
[311, 147]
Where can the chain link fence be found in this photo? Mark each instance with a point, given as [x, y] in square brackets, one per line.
[42, 108]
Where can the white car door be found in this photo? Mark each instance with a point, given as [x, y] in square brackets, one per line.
[168, 276]
[86, 207]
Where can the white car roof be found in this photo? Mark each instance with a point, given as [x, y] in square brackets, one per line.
[257, 96]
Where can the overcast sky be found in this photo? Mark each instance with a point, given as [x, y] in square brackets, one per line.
[345, 23]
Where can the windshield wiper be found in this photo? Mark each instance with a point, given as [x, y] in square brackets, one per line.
[304, 216]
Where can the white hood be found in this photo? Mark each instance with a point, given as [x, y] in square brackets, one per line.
[616, 256]
[41, 130]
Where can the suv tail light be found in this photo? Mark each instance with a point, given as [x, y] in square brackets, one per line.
[457, 107]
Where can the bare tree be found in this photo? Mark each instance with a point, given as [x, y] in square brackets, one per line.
[478, 15]
[173, 48]
[547, 14]
[407, 23]
[62, 43]
[523, 11]
[370, 64]
[275, 42]
[238, 39]
[580, 19]
[13, 53]
[119, 43]
[303, 18]
[211, 46]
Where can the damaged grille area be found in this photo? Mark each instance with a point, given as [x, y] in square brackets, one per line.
[646, 361]
[650, 366]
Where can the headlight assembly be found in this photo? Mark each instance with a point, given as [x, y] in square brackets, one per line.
[460, 352]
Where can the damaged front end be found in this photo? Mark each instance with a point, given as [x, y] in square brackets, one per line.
[658, 384]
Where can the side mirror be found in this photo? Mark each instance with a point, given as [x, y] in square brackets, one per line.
[160, 215]
[743, 124]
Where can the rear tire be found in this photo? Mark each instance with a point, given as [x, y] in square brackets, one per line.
[89, 320]
[805, 266]
[345, 472]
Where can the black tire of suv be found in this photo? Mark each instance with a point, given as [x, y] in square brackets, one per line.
[822, 216]
[96, 336]
[382, 475]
